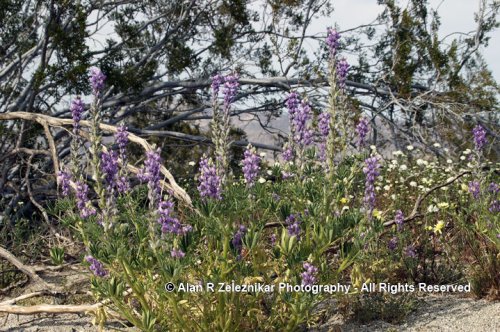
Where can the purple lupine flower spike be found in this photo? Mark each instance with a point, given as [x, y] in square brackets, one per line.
[342, 70]
[399, 219]
[324, 131]
[309, 275]
[177, 253]
[97, 79]
[333, 41]
[217, 81]
[494, 206]
[109, 168]
[96, 267]
[77, 109]
[292, 103]
[170, 224]
[64, 178]
[475, 189]
[151, 173]
[302, 135]
[362, 130]
[210, 182]
[121, 138]
[293, 225]
[287, 153]
[250, 165]
[371, 173]
[479, 137]
[231, 85]
[237, 240]
[82, 201]
[393, 243]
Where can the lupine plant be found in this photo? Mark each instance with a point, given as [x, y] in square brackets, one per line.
[407, 217]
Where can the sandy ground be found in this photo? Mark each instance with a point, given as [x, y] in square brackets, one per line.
[435, 313]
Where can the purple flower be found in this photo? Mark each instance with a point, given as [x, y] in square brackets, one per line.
[324, 124]
[151, 173]
[292, 103]
[494, 206]
[170, 224]
[410, 251]
[479, 137]
[210, 182]
[177, 253]
[399, 219]
[287, 153]
[82, 202]
[333, 41]
[393, 243]
[371, 173]
[494, 188]
[77, 109]
[231, 85]
[97, 79]
[276, 197]
[273, 239]
[302, 135]
[96, 267]
[250, 165]
[64, 178]
[293, 225]
[362, 130]
[217, 81]
[237, 240]
[309, 275]
[324, 131]
[121, 138]
[342, 70]
[109, 168]
[474, 188]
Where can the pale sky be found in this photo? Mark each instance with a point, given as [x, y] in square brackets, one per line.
[456, 16]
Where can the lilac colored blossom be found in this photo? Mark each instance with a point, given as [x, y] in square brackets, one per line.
[273, 239]
[97, 79]
[410, 251]
[474, 188]
[170, 224]
[342, 70]
[151, 173]
[231, 85]
[286, 175]
[362, 130]
[399, 220]
[122, 184]
[109, 168]
[121, 138]
[237, 240]
[292, 104]
[210, 182]
[393, 243]
[96, 267]
[333, 41]
[64, 178]
[82, 201]
[494, 188]
[287, 154]
[494, 206]
[309, 275]
[217, 81]
[479, 137]
[177, 253]
[301, 133]
[77, 109]
[251, 166]
[371, 173]
[293, 225]
[324, 124]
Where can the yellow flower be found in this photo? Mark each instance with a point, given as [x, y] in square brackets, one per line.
[377, 214]
[344, 200]
[443, 205]
[438, 227]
